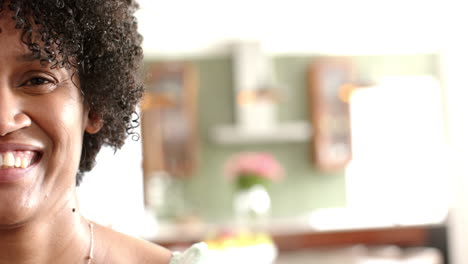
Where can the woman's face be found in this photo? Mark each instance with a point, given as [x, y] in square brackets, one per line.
[42, 121]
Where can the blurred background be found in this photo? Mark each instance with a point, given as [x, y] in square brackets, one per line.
[296, 132]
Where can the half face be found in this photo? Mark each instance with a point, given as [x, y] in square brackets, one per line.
[42, 121]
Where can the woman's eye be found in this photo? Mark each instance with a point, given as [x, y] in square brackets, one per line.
[38, 81]
[39, 84]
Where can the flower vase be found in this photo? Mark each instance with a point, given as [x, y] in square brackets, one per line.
[252, 207]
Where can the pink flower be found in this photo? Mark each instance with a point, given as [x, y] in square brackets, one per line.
[260, 164]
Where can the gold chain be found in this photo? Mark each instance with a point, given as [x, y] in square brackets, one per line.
[91, 246]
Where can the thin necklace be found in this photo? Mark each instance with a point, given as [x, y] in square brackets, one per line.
[91, 247]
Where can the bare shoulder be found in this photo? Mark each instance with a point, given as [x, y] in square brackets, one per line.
[112, 247]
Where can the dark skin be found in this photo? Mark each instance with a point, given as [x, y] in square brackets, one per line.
[42, 111]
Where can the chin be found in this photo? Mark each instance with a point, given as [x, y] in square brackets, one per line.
[16, 210]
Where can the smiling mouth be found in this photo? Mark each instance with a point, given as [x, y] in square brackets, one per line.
[18, 159]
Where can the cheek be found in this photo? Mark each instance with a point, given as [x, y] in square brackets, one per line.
[61, 121]
[68, 127]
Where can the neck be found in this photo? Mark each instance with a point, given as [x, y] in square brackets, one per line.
[61, 237]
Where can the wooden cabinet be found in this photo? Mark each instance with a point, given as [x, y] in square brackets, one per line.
[329, 84]
[169, 120]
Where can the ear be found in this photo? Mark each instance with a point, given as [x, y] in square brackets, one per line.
[94, 123]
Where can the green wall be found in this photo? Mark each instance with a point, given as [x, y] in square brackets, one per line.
[209, 195]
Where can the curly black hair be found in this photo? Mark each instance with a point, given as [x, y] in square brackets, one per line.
[98, 39]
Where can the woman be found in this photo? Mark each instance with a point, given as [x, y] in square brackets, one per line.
[69, 84]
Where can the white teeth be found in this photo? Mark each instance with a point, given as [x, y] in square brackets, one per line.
[17, 162]
[16, 159]
[24, 163]
[9, 159]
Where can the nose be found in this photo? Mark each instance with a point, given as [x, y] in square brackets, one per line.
[12, 116]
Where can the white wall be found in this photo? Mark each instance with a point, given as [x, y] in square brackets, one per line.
[454, 57]
[112, 193]
[192, 28]
[399, 151]
[453, 62]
